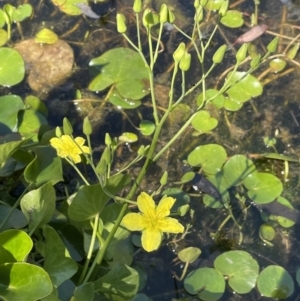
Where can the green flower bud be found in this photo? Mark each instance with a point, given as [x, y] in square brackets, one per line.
[107, 139]
[185, 62]
[137, 6]
[67, 127]
[203, 2]
[255, 61]
[199, 14]
[219, 54]
[58, 132]
[272, 46]
[242, 53]
[164, 178]
[121, 26]
[150, 18]
[196, 3]
[165, 15]
[293, 51]
[87, 127]
[179, 53]
[223, 9]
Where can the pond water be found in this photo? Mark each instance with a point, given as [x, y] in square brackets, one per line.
[273, 115]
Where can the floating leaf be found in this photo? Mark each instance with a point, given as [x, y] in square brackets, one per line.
[8, 149]
[35, 104]
[189, 254]
[12, 67]
[232, 105]
[263, 187]
[275, 282]
[182, 198]
[214, 4]
[58, 264]
[240, 268]
[210, 157]
[203, 122]
[17, 220]
[147, 127]
[236, 169]
[277, 65]
[267, 232]
[23, 281]
[22, 12]
[244, 86]
[46, 36]
[280, 157]
[38, 206]
[123, 68]
[208, 283]
[128, 137]
[212, 96]
[232, 19]
[10, 242]
[69, 6]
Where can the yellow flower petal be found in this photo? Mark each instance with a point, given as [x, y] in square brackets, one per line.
[164, 206]
[85, 149]
[151, 240]
[146, 205]
[170, 225]
[75, 158]
[133, 222]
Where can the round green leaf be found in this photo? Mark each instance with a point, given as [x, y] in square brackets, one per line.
[46, 36]
[147, 127]
[189, 254]
[244, 86]
[210, 157]
[211, 95]
[232, 19]
[187, 177]
[22, 12]
[3, 37]
[203, 123]
[275, 282]
[267, 232]
[10, 242]
[232, 105]
[208, 283]
[69, 6]
[214, 4]
[263, 187]
[23, 281]
[128, 137]
[237, 168]
[10, 105]
[240, 268]
[123, 68]
[124, 103]
[12, 67]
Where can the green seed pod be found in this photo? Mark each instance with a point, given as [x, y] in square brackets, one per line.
[293, 51]
[255, 61]
[179, 53]
[272, 46]
[164, 178]
[121, 26]
[242, 53]
[137, 6]
[219, 54]
[67, 127]
[87, 127]
[185, 62]
[107, 139]
[223, 9]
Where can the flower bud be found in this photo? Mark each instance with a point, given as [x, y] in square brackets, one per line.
[150, 18]
[179, 53]
[107, 139]
[137, 6]
[121, 26]
[165, 15]
[67, 127]
[203, 2]
[223, 9]
[164, 178]
[293, 51]
[199, 14]
[241, 53]
[58, 132]
[196, 3]
[185, 62]
[255, 61]
[272, 46]
[219, 54]
[87, 127]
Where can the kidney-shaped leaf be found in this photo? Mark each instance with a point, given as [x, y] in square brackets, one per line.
[207, 282]
[275, 282]
[23, 281]
[12, 67]
[189, 254]
[10, 242]
[203, 122]
[240, 268]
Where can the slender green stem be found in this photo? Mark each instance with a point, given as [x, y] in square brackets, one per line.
[78, 171]
[158, 43]
[138, 31]
[90, 252]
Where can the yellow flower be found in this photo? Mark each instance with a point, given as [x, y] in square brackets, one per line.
[152, 220]
[67, 148]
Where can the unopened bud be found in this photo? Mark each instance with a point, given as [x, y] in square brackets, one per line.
[185, 62]
[219, 54]
[121, 25]
[137, 6]
[272, 46]
[179, 53]
[241, 53]
[67, 127]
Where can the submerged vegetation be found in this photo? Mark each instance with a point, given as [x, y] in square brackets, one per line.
[174, 108]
